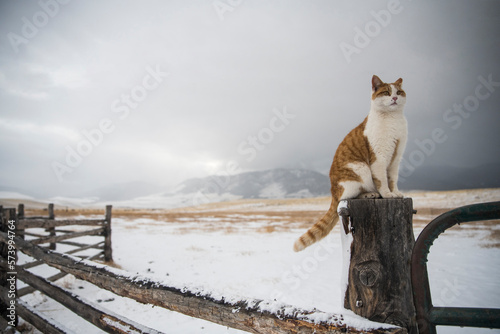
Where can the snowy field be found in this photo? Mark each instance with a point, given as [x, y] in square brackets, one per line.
[246, 251]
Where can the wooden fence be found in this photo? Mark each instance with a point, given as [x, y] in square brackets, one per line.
[40, 230]
[58, 235]
[254, 316]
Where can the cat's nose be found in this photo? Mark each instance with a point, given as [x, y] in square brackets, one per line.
[395, 98]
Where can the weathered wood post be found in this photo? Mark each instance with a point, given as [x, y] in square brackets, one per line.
[20, 215]
[108, 253]
[20, 211]
[8, 274]
[377, 241]
[52, 230]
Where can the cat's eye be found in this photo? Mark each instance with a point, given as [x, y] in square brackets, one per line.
[400, 92]
[386, 93]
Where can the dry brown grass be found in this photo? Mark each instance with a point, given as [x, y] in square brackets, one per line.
[265, 216]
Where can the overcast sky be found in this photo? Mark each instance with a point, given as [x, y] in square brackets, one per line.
[101, 92]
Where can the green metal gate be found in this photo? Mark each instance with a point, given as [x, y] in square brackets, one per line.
[428, 316]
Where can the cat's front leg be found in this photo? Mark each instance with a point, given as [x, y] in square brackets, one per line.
[394, 189]
[380, 179]
[392, 176]
[392, 179]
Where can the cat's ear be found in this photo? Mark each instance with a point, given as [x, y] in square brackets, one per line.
[376, 83]
[399, 82]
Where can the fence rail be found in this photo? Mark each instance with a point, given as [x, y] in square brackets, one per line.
[45, 223]
[254, 316]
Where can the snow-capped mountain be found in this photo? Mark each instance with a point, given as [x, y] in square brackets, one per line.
[274, 183]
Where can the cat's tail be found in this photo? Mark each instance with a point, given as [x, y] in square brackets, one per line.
[319, 230]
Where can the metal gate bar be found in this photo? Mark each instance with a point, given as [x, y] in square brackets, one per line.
[429, 316]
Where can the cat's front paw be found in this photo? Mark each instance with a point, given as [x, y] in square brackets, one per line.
[370, 195]
[398, 194]
[395, 194]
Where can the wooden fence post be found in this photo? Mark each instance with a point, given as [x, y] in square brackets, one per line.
[20, 215]
[20, 211]
[377, 241]
[52, 230]
[108, 253]
[8, 274]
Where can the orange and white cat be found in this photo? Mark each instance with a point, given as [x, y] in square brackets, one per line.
[366, 163]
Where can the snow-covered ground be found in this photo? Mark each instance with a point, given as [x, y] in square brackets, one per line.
[464, 266]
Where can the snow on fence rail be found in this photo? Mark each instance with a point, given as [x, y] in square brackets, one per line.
[255, 316]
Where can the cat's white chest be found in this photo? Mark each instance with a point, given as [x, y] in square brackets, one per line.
[385, 133]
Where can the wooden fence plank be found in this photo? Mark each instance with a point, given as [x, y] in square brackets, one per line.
[36, 235]
[76, 250]
[248, 315]
[28, 289]
[52, 229]
[20, 215]
[53, 239]
[111, 323]
[44, 223]
[99, 245]
[65, 231]
[37, 319]
[31, 264]
[108, 251]
[5, 328]
[20, 211]
[99, 256]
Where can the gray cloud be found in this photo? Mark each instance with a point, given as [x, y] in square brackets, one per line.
[75, 70]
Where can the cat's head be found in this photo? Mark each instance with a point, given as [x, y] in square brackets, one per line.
[387, 97]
